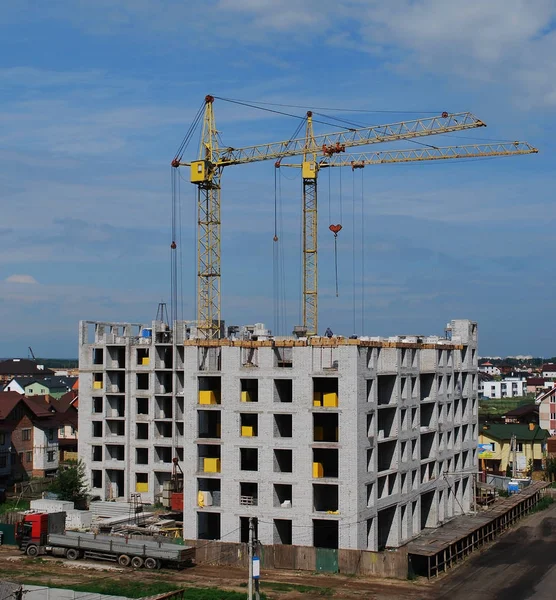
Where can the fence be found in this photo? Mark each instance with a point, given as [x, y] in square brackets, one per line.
[390, 563]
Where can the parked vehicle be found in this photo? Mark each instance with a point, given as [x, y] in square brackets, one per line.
[40, 534]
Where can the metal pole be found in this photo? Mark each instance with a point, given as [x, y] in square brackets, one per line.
[514, 461]
[251, 540]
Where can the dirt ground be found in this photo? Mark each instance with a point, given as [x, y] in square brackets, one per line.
[520, 565]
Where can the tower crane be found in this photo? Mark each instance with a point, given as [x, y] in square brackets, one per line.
[206, 174]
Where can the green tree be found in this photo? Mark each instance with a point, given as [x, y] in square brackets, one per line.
[70, 484]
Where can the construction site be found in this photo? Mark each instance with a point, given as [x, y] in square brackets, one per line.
[314, 444]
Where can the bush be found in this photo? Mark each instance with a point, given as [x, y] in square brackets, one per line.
[69, 484]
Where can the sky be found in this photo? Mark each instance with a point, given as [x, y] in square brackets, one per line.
[97, 96]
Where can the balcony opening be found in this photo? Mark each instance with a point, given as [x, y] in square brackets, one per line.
[325, 462]
[163, 383]
[115, 406]
[208, 525]
[142, 381]
[282, 532]
[370, 488]
[387, 426]
[283, 495]
[165, 357]
[428, 516]
[179, 453]
[142, 406]
[387, 533]
[163, 408]
[179, 408]
[427, 415]
[249, 357]
[142, 456]
[325, 533]
[115, 427]
[249, 424]
[387, 456]
[283, 426]
[209, 458]
[209, 423]
[98, 356]
[98, 381]
[116, 356]
[427, 384]
[244, 529]
[283, 358]
[325, 427]
[141, 482]
[162, 429]
[249, 390]
[116, 483]
[208, 491]
[96, 453]
[325, 498]
[209, 359]
[370, 390]
[248, 459]
[163, 454]
[143, 359]
[283, 390]
[96, 478]
[248, 493]
[386, 389]
[142, 431]
[283, 461]
[179, 429]
[116, 382]
[427, 445]
[97, 429]
[97, 404]
[210, 390]
[325, 391]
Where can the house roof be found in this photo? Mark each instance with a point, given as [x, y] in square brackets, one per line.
[486, 364]
[55, 382]
[504, 432]
[23, 366]
[551, 367]
[37, 405]
[535, 381]
[521, 411]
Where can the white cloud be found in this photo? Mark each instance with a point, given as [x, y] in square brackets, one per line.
[25, 279]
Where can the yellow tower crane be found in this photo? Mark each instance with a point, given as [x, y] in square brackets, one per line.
[335, 157]
[206, 174]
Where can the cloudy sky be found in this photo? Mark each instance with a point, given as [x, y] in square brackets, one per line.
[97, 96]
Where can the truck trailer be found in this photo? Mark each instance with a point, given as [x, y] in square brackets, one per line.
[36, 535]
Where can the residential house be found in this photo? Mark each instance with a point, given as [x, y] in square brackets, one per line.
[489, 368]
[528, 413]
[52, 386]
[22, 367]
[547, 410]
[535, 385]
[495, 451]
[507, 388]
[30, 428]
[549, 370]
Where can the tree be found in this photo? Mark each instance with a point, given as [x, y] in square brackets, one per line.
[70, 484]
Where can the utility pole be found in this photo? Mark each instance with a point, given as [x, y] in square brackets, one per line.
[514, 456]
[251, 544]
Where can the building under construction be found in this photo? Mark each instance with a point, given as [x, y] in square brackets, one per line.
[329, 441]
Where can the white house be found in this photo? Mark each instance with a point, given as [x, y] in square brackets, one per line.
[549, 370]
[489, 368]
[507, 388]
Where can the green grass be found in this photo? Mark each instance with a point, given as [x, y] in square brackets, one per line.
[292, 587]
[140, 589]
[542, 504]
[14, 506]
[500, 406]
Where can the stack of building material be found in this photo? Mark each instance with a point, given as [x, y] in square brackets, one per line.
[51, 506]
[109, 510]
[78, 519]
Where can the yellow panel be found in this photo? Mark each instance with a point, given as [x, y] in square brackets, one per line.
[317, 399]
[207, 397]
[330, 399]
[141, 487]
[318, 434]
[211, 465]
[245, 397]
[97, 385]
[246, 431]
[309, 169]
[146, 360]
[198, 171]
[318, 471]
[201, 499]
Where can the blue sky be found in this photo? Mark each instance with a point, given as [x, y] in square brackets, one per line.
[96, 97]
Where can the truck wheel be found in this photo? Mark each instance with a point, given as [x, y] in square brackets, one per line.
[151, 563]
[32, 550]
[72, 554]
[136, 562]
[124, 560]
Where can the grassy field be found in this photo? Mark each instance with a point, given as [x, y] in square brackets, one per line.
[497, 407]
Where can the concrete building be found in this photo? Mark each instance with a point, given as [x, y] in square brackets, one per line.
[329, 442]
[507, 388]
